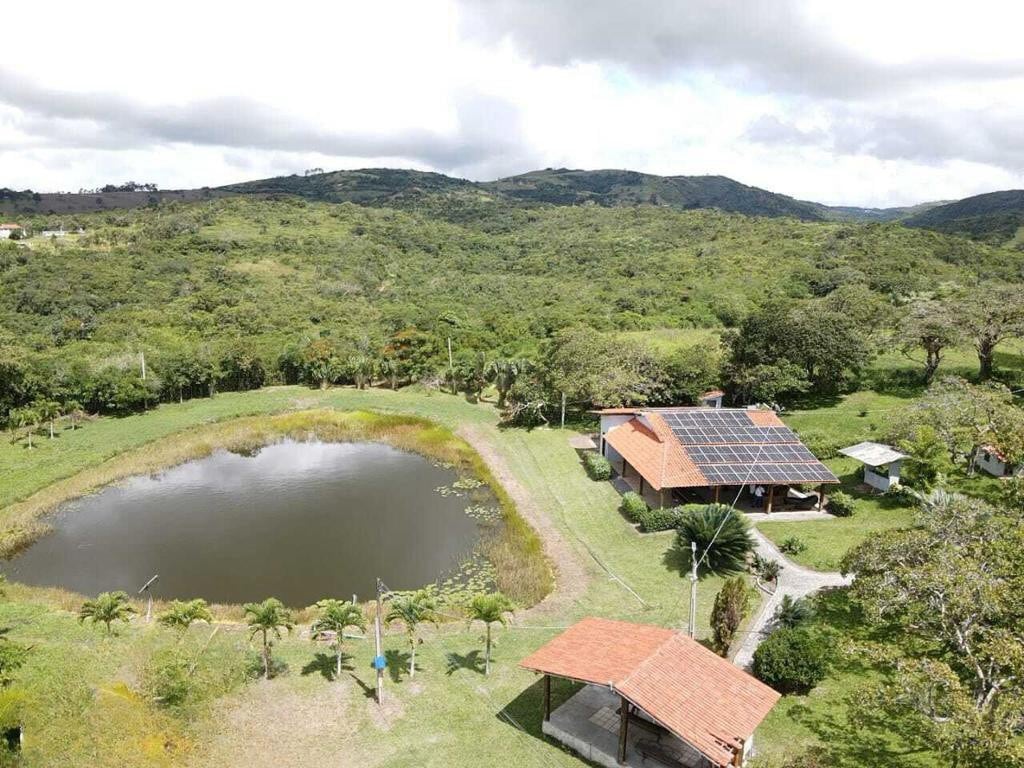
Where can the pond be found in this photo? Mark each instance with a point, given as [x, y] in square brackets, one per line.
[295, 520]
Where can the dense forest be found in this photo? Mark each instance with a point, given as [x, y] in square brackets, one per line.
[184, 299]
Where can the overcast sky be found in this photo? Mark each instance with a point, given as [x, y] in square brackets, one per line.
[861, 103]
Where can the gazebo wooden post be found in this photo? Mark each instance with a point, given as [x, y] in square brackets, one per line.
[641, 485]
[623, 729]
[737, 755]
[547, 698]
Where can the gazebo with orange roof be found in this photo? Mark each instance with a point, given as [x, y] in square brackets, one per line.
[695, 707]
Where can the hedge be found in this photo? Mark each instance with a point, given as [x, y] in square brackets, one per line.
[633, 506]
[597, 466]
[841, 504]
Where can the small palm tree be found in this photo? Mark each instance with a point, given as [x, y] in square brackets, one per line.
[721, 532]
[181, 614]
[266, 618]
[792, 613]
[335, 616]
[490, 609]
[362, 369]
[74, 410]
[49, 411]
[107, 608]
[28, 419]
[412, 608]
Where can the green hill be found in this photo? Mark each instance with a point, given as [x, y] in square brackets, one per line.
[995, 217]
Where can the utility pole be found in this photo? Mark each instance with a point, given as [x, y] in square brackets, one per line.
[563, 410]
[451, 365]
[149, 594]
[378, 660]
[142, 360]
[693, 589]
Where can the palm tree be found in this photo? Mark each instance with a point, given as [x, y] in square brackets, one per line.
[362, 369]
[335, 616]
[74, 410]
[412, 608]
[791, 613]
[26, 418]
[504, 372]
[490, 609]
[107, 608]
[264, 618]
[720, 532]
[181, 614]
[48, 410]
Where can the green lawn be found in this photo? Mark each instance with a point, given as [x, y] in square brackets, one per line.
[449, 715]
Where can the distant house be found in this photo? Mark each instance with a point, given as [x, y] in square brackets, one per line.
[650, 695]
[881, 463]
[53, 233]
[989, 459]
[712, 398]
[6, 230]
[672, 454]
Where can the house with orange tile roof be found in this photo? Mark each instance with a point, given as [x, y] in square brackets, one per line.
[649, 692]
[698, 453]
[9, 228]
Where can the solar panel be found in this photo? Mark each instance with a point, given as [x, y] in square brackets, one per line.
[772, 474]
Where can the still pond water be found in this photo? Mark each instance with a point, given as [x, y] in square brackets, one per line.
[296, 520]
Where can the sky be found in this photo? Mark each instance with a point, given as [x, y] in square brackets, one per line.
[854, 103]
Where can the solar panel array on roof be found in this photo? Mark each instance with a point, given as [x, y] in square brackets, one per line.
[736, 454]
[721, 427]
[738, 474]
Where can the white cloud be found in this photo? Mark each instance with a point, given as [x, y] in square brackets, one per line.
[856, 103]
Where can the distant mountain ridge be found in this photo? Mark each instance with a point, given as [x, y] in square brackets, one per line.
[550, 186]
[994, 217]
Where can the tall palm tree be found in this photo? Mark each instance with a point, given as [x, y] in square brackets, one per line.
[412, 608]
[490, 609]
[265, 618]
[107, 608]
[362, 369]
[181, 614]
[335, 616]
[504, 372]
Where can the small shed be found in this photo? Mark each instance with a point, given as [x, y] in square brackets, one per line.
[649, 692]
[712, 398]
[990, 459]
[881, 463]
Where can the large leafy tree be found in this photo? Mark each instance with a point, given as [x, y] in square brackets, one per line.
[266, 619]
[412, 609]
[503, 372]
[989, 314]
[333, 618]
[490, 609]
[954, 584]
[107, 608]
[932, 326]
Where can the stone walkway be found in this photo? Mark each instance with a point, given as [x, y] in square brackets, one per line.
[794, 580]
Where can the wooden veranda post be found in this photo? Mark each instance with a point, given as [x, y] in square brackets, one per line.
[771, 497]
[821, 497]
[547, 698]
[623, 729]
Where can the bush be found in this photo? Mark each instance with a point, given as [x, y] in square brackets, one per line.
[597, 466]
[767, 569]
[841, 504]
[660, 519]
[791, 660]
[792, 613]
[633, 506]
[730, 608]
[793, 545]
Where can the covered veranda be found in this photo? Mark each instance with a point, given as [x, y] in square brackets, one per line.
[649, 693]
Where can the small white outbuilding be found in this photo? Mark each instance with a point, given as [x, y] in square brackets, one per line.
[881, 463]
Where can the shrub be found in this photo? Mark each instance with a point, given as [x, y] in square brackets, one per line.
[730, 608]
[633, 506]
[767, 569]
[727, 528]
[841, 504]
[597, 466]
[660, 519]
[791, 660]
[793, 545]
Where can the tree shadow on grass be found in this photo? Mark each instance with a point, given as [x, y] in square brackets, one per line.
[398, 664]
[369, 691]
[326, 665]
[473, 661]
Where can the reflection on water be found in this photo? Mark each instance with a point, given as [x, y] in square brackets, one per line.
[298, 521]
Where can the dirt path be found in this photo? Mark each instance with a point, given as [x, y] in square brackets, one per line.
[571, 577]
[795, 581]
